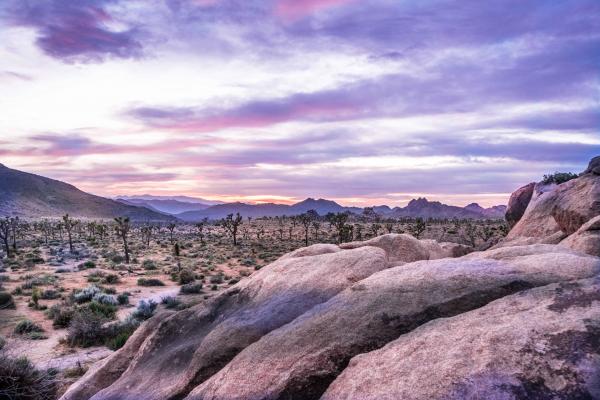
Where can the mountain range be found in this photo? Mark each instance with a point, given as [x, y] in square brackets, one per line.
[30, 195]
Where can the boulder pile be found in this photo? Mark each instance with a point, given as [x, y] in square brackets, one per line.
[392, 318]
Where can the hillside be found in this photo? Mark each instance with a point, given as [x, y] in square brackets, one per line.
[27, 195]
[167, 206]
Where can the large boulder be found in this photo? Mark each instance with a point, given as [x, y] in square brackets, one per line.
[586, 239]
[403, 248]
[540, 344]
[517, 204]
[299, 360]
[185, 348]
[576, 202]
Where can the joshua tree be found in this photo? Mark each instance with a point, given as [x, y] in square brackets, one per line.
[122, 230]
[316, 226]
[200, 227]
[471, 233]
[418, 227]
[15, 227]
[305, 220]
[339, 222]
[389, 226]
[375, 229]
[358, 229]
[146, 232]
[69, 224]
[177, 253]
[232, 224]
[171, 228]
[4, 234]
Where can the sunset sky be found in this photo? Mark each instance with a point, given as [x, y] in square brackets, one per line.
[361, 101]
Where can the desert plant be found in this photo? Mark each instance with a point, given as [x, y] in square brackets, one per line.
[559, 177]
[6, 301]
[122, 230]
[232, 224]
[144, 310]
[27, 326]
[85, 329]
[150, 282]
[170, 302]
[112, 279]
[191, 288]
[123, 299]
[20, 380]
[86, 294]
[104, 298]
[186, 276]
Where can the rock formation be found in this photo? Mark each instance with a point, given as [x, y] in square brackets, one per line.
[517, 204]
[392, 317]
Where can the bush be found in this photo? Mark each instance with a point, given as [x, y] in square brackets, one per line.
[20, 380]
[104, 298]
[186, 276]
[191, 288]
[148, 265]
[112, 279]
[27, 326]
[107, 311]
[60, 315]
[49, 294]
[559, 177]
[123, 299]
[170, 302]
[145, 310]
[216, 279]
[86, 294]
[87, 265]
[6, 301]
[150, 282]
[2, 342]
[85, 329]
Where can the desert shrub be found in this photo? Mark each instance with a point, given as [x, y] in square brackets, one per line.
[87, 265]
[104, 298]
[74, 372]
[49, 294]
[117, 259]
[85, 329]
[27, 326]
[109, 290]
[144, 310]
[2, 342]
[559, 177]
[6, 301]
[186, 276]
[150, 282]
[117, 334]
[107, 311]
[112, 279]
[148, 265]
[214, 287]
[216, 279]
[61, 315]
[95, 276]
[86, 294]
[37, 336]
[4, 278]
[123, 299]
[20, 380]
[61, 270]
[191, 288]
[170, 302]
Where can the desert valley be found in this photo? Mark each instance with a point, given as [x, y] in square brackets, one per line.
[299, 200]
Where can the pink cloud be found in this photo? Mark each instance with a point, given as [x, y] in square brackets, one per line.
[294, 9]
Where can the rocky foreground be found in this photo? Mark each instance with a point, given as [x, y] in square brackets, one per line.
[392, 318]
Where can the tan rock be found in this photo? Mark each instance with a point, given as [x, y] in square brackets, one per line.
[404, 248]
[586, 239]
[300, 359]
[517, 204]
[539, 344]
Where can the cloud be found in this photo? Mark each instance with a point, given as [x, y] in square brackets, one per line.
[82, 30]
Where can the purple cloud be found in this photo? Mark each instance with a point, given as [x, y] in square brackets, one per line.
[76, 30]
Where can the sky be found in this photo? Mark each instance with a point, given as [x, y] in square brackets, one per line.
[360, 101]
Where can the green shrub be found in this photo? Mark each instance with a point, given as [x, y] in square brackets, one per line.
[87, 265]
[191, 288]
[144, 310]
[123, 299]
[170, 302]
[149, 282]
[85, 329]
[186, 276]
[61, 315]
[118, 341]
[49, 294]
[148, 265]
[6, 301]
[559, 177]
[107, 311]
[112, 279]
[27, 326]
[20, 380]
[86, 294]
